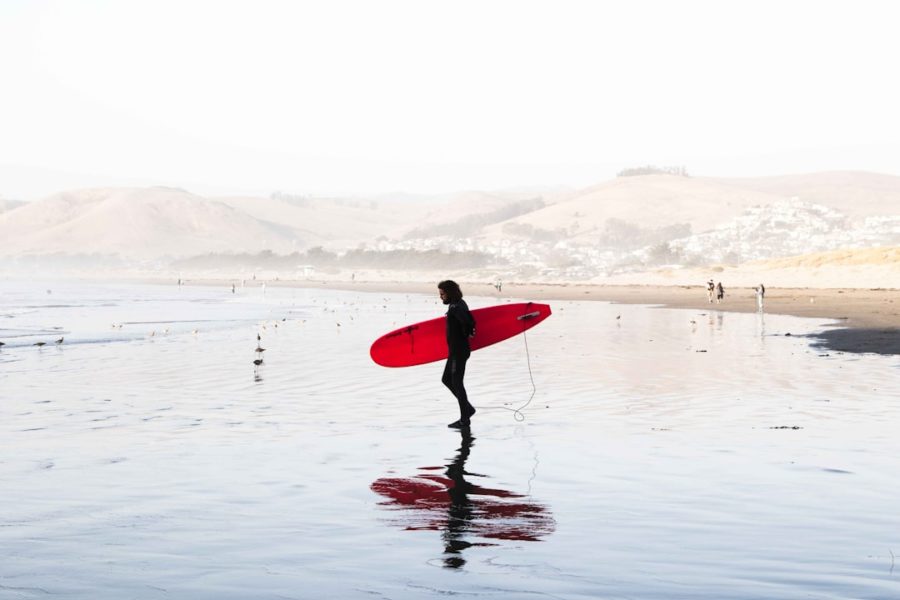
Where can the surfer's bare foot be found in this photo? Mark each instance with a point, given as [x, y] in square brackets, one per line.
[462, 423]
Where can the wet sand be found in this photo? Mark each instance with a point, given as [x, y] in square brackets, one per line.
[663, 455]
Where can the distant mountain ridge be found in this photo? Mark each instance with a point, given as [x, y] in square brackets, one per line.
[622, 221]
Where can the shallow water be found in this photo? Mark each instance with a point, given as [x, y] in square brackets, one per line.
[665, 454]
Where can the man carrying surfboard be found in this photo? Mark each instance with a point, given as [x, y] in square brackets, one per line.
[460, 327]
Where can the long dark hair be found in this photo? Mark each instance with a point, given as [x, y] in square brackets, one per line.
[451, 288]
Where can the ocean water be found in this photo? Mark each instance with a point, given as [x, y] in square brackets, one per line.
[663, 453]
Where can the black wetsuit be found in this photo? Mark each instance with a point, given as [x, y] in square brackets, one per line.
[460, 325]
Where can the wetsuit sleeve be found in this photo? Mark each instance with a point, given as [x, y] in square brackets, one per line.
[461, 313]
[460, 326]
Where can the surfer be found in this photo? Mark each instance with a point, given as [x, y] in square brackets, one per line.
[460, 327]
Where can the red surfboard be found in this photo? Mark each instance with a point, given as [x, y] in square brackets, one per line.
[426, 342]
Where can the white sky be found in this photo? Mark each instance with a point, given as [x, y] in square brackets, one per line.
[344, 96]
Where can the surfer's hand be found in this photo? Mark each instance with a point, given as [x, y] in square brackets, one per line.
[471, 335]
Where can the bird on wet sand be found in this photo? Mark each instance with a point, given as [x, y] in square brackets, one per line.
[259, 350]
[59, 341]
[39, 344]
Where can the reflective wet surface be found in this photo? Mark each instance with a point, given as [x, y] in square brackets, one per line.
[665, 453]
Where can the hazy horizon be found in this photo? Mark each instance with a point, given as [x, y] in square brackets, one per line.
[84, 181]
[350, 98]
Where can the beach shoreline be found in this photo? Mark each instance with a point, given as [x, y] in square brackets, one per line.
[868, 319]
[848, 307]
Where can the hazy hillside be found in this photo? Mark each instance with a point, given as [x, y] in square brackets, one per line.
[139, 223]
[6, 205]
[627, 224]
[857, 194]
[644, 202]
[468, 213]
[333, 222]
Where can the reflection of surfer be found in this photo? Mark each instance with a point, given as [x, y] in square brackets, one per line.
[467, 514]
[460, 512]
[460, 327]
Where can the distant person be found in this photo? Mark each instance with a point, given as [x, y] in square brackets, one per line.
[720, 293]
[460, 327]
[232, 288]
[710, 290]
[760, 295]
[499, 286]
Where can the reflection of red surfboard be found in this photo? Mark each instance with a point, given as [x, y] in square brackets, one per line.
[428, 503]
[426, 342]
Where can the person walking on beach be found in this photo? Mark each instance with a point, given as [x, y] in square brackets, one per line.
[460, 327]
[760, 295]
[710, 290]
[720, 293]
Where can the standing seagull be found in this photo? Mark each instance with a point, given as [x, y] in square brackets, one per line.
[59, 341]
[259, 350]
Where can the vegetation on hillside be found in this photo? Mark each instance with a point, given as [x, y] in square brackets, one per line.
[471, 224]
[653, 170]
[360, 258]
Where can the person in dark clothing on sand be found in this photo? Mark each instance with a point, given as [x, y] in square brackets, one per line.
[460, 327]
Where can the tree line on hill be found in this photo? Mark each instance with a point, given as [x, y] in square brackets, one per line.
[681, 171]
[359, 258]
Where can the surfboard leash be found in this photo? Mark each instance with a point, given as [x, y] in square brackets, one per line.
[518, 415]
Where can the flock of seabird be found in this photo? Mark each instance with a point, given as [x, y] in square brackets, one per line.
[40, 344]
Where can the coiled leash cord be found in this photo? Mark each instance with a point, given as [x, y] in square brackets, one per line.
[518, 415]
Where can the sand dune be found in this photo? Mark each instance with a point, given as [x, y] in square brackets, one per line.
[851, 268]
[886, 256]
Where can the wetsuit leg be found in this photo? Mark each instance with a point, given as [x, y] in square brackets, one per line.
[454, 372]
